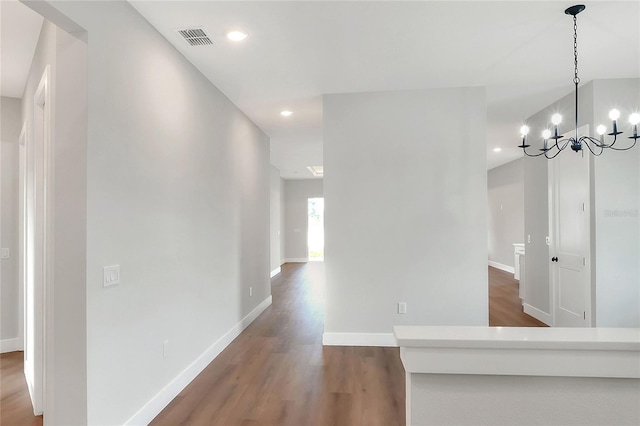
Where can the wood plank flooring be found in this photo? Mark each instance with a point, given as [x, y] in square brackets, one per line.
[505, 307]
[15, 404]
[277, 372]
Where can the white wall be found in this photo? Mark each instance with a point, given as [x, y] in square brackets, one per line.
[178, 196]
[65, 398]
[506, 211]
[296, 215]
[9, 289]
[617, 203]
[450, 399]
[275, 219]
[406, 200]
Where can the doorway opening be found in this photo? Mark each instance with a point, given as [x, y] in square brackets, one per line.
[315, 229]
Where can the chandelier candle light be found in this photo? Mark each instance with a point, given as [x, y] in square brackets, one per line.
[596, 146]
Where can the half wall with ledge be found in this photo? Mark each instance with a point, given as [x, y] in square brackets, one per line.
[520, 375]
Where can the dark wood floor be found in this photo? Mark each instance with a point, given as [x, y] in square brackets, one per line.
[15, 404]
[505, 306]
[278, 373]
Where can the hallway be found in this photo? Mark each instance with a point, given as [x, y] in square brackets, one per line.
[505, 306]
[277, 372]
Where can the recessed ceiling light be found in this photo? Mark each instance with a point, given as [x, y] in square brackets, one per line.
[497, 149]
[286, 113]
[236, 35]
[317, 171]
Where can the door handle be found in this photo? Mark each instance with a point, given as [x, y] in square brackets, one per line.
[554, 259]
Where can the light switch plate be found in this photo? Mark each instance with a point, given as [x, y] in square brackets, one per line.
[111, 275]
[5, 253]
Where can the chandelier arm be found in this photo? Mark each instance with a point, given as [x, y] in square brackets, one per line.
[585, 142]
[531, 155]
[624, 149]
[564, 143]
[554, 155]
[557, 147]
[594, 141]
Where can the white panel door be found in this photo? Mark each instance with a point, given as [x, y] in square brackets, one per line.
[570, 238]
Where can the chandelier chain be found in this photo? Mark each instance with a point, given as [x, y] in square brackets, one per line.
[576, 79]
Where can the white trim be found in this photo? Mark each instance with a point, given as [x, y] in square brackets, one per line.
[502, 267]
[10, 345]
[520, 351]
[153, 407]
[296, 260]
[359, 339]
[275, 271]
[538, 314]
[283, 261]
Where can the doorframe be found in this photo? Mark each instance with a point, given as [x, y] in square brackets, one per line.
[553, 235]
[42, 247]
[22, 230]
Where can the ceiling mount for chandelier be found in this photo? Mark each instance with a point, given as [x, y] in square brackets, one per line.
[554, 143]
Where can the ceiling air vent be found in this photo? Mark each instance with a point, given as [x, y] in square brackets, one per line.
[195, 36]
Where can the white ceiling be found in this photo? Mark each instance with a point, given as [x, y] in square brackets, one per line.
[297, 51]
[19, 31]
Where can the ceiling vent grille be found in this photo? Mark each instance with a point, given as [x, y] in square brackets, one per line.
[195, 36]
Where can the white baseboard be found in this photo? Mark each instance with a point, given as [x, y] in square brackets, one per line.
[538, 314]
[151, 409]
[359, 339]
[275, 271]
[502, 267]
[296, 260]
[10, 345]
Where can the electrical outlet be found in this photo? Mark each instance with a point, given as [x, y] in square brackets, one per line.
[529, 239]
[250, 291]
[165, 349]
[402, 307]
[111, 275]
[548, 241]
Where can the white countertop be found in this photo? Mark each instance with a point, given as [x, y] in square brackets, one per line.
[620, 339]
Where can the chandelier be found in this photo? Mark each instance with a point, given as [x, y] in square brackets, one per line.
[554, 143]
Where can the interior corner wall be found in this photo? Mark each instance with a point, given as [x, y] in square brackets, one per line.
[11, 125]
[506, 211]
[275, 219]
[297, 192]
[405, 218]
[538, 291]
[178, 197]
[65, 357]
[616, 176]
